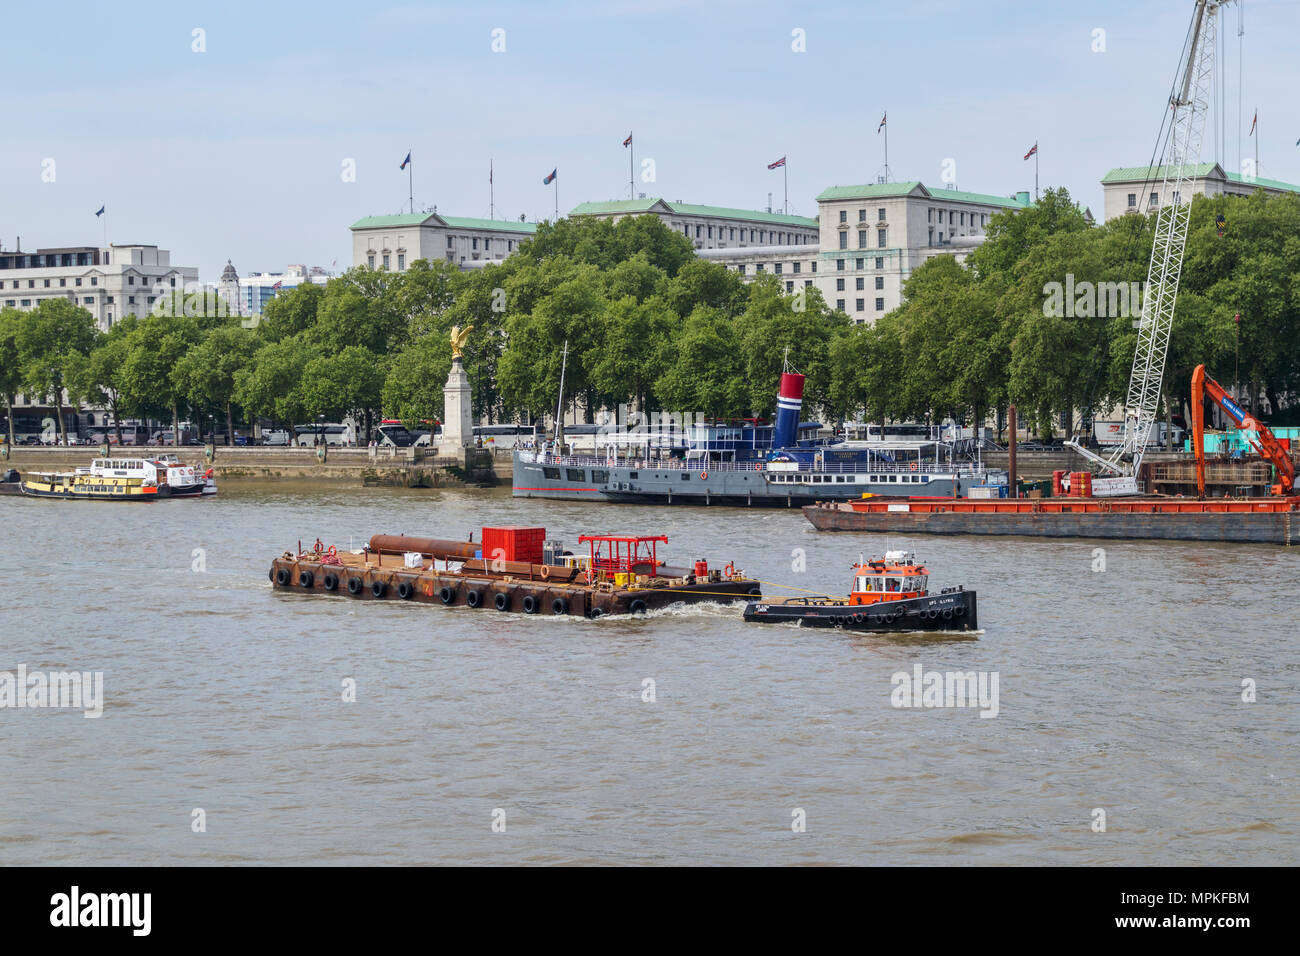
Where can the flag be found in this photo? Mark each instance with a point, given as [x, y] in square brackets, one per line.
[276, 286]
[489, 172]
[1032, 151]
[100, 212]
[778, 164]
[628, 141]
[1253, 121]
[551, 178]
[882, 121]
[406, 162]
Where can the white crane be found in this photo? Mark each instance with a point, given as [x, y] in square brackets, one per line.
[1188, 104]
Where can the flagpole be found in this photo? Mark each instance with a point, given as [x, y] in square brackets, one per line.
[631, 167]
[557, 195]
[785, 179]
[492, 206]
[1035, 172]
[886, 146]
[410, 180]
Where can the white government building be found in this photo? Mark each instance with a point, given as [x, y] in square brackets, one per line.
[712, 227]
[109, 282]
[1141, 188]
[871, 238]
[393, 242]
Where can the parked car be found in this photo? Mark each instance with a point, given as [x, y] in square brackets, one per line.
[277, 437]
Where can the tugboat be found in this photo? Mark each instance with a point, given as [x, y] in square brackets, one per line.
[890, 594]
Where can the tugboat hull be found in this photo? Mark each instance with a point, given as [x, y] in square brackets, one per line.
[953, 610]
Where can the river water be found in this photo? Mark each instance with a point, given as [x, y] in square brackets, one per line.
[1118, 690]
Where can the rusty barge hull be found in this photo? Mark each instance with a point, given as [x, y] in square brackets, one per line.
[526, 592]
[1253, 521]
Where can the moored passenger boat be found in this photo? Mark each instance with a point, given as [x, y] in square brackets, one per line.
[117, 479]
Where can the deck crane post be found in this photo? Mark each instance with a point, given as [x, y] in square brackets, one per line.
[1188, 104]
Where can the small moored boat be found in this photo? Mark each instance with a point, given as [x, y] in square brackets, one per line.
[889, 594]
[117, 479]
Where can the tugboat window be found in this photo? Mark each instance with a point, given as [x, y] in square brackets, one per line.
[576, 474]
[552, 473]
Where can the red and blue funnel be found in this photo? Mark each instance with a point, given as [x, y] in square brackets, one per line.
[789, 405]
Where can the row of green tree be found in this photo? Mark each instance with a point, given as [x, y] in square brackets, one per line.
[648, 323]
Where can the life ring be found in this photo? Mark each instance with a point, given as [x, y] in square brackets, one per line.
[546, 572]
[912, 466]
[333, 551]
[704, 476]
[319, 546]
[730, 569]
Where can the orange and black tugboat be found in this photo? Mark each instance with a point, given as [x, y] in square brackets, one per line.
[513, 569]
[889, 594]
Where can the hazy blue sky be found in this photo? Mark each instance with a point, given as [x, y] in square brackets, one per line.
[236, 152]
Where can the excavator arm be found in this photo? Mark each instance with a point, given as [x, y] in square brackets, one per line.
[1264, 444]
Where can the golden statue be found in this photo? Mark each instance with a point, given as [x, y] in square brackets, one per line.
[458, 338]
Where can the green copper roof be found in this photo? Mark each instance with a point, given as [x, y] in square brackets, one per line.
[895, 190]
[506, 225]
[406, 219]
[690, 209]
[1137, 174]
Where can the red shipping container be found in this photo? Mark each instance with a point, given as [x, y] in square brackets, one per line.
[513, 544]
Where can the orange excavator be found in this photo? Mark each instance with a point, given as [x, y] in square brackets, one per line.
[1268, 447]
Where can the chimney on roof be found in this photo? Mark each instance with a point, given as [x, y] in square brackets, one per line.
[769, 202]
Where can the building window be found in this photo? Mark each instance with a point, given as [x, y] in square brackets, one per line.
[451, 242]
[130, 300]
[1132, 200]
[807, 282]
[862, 239]
[880, 238]
[880, 305]
[952, 217]
[31, 283]
[26, 303]
[758, 267]
[839, 285]
[839, 265]
[109, 300]
[796, 267]
[776, 267]
[88, 300]
[880, 282]
[78, 281]
[47, 283]
[963, 219]
[859, 284]
[370, 261]
[929, 215]
[940, 237]
[741, 268]
[401, 261]
[862, 215]
[861, 304]
[789, 287]
[844, 240]
[385, 262]
[880, 214]
[731, 233]
[699, 231]
[151, 299]
[880, 262]
[814, 265]
[844, 215]
[451, 257]
[984, 218]
[62, 283]
[510, 245]
[473, 242]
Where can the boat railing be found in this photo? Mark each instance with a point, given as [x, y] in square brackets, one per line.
[695, 464]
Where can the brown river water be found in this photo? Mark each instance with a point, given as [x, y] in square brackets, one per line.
[1118, 690]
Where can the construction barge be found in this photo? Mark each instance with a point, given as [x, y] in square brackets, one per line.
[512, 569]
[1272, 520]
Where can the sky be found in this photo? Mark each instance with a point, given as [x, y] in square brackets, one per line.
[229, 130]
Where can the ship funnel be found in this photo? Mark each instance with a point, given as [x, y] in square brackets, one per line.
[789, 404]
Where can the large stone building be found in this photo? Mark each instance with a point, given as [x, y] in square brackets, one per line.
[108, 282]
[255, 290]
[871, 238]
[712, 227]
[1140, 188]
[394, 242]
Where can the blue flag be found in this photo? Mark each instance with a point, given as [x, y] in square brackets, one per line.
[406, 162]
[101, 211]
[551, 178]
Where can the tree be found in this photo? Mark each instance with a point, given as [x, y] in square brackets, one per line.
[11, 376]
[51, 340]
[100, 379]
[412, 390]
[148, 380]
[206, 373]
[705, 371]
[623, 365]
[777, 328]
[271, 384]
[336, 385]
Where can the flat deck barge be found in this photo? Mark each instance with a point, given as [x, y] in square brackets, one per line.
[1272, 520]
[622, 575]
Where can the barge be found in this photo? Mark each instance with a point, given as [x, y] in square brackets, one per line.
[1272, 520]
[512, 569]
[890, 595]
